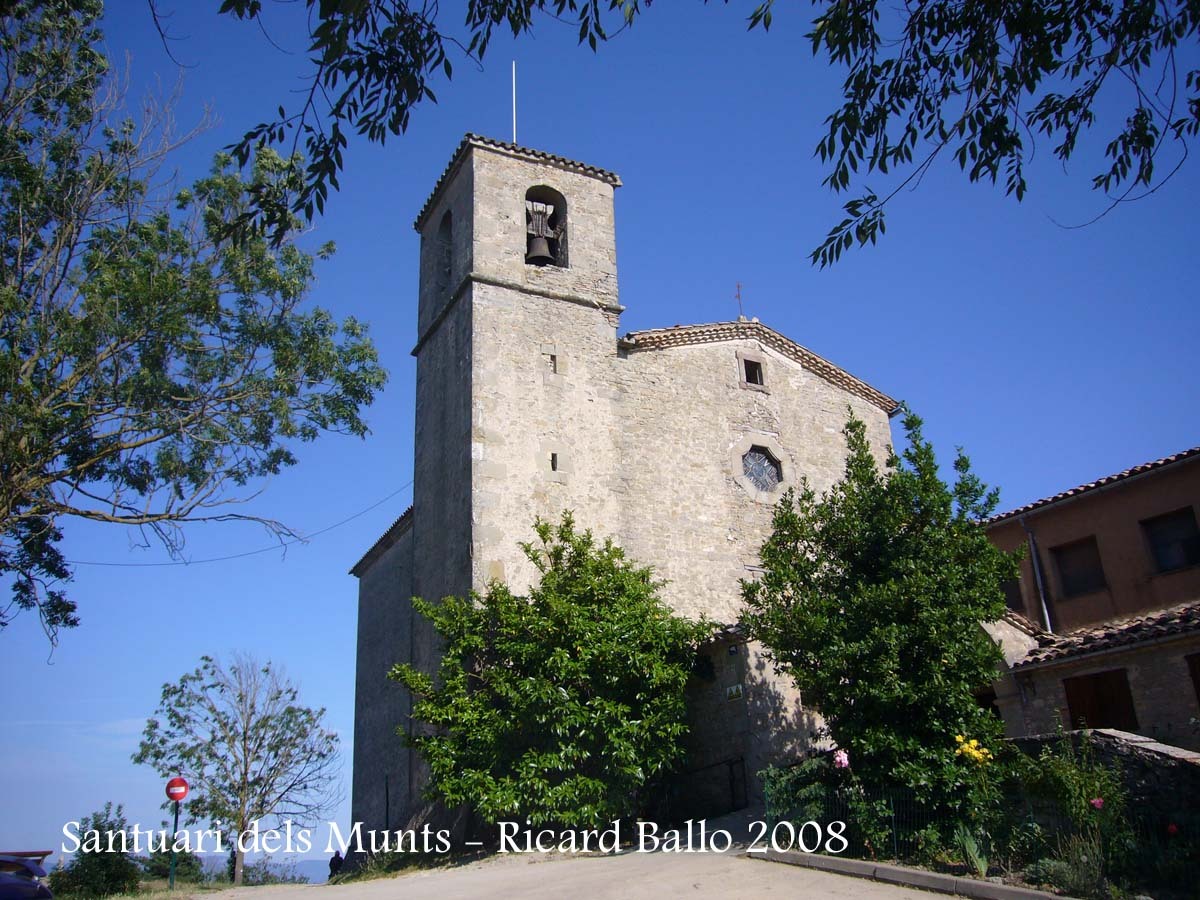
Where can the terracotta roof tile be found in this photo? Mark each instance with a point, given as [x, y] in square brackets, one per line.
[1176, 621]
[1094, 485]
[541, 156]
[680, 335]
[1021, 622]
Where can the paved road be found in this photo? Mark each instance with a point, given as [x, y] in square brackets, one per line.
[637, 876]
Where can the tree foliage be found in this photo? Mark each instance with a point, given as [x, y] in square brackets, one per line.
[872, 598]
[977, 81]
[94, 871]
[188, 865]
[561, 706]
[983, 81]
[247, 748]
[149, 367]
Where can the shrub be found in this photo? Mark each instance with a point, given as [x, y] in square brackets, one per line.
[98, 873]
[564, 706]
[1086, 800]
[796, 793]
[1049, 872]
[188, 866]
[871, 597]
[264, 871]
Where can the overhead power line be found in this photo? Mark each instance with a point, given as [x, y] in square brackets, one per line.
[276, 546]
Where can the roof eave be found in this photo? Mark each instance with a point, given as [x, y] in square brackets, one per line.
[813, 362]
[383, 543]
[1088, 489]
[1075, 656]
[471, 141]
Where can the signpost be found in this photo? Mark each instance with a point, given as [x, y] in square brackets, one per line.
[177, 790]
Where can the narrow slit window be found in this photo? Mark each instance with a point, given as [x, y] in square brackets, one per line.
[553, 462]
[444, 253]
[552, 363]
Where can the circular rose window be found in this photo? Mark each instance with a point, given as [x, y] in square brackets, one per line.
[762, 468]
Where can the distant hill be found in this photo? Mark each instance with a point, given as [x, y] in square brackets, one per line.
[315, 870]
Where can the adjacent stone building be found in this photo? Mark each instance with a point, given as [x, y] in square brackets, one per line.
[674, 442]
[1104, 621]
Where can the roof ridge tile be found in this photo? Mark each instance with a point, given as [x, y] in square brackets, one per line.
[682, 335]
[1107, 480]
[1181, 619]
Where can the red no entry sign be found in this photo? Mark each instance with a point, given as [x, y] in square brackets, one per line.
[177, 789]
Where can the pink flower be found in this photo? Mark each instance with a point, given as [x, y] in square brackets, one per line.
[841, 760]
[1097, 802]
[1172, 829]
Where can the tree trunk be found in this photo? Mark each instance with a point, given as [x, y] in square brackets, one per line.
[239, 859]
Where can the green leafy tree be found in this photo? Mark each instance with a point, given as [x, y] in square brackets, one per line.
[561, 706]
[872, 598]
[979, 82]
[249, 750]
[96, 872]
[150, 369]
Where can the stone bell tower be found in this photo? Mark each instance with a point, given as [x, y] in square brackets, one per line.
[516, 349]
[517, 342]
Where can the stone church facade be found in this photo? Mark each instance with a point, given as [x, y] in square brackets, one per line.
[674, 442]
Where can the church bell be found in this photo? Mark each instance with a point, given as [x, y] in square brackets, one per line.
[539, 228]
[539, 252]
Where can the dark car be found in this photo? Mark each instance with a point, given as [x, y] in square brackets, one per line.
[22, 878]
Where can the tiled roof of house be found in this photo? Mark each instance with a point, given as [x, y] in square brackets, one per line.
[1167, 623]
[1021, 622]
[1107, 480]
[386, 540]
[541, 156]
[680, 335]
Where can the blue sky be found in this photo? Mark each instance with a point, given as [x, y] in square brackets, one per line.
[1052, 355]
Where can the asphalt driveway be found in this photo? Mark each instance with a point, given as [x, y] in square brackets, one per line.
[652, 876]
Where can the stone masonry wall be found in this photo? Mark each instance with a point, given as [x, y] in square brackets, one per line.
[499, 184]
[685, 422]
[1163, 782]
[437, 288]
[649, 448]
[1164, 697]
[542, 441]
[381, 793]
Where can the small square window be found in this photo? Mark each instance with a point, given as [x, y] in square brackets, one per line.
[1174, 540]
[1079, 569]
[753, 371]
